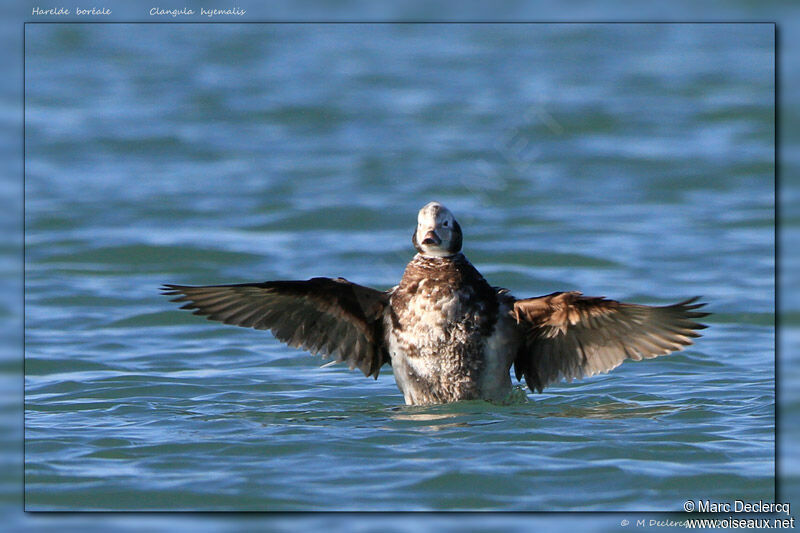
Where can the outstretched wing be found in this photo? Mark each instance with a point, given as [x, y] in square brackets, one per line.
[571, 336]
[332, 317]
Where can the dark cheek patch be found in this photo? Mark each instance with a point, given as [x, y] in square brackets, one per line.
[456, 239]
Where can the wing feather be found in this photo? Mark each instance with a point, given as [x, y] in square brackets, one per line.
[570, 336]
[333, 317]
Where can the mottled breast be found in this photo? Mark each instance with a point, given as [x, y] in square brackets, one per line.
[442, 313]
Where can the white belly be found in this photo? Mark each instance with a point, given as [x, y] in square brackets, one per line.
[439, 355]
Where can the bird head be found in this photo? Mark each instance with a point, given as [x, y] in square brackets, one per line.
[437, 234]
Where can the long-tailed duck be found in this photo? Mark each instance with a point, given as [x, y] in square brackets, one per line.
[447, 334]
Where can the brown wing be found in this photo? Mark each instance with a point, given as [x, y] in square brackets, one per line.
[329, 316]
[571, 336]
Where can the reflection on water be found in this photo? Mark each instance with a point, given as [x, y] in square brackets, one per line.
[431, 417]
[611, 411]
[423, 417]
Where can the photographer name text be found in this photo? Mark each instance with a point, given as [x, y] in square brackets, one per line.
[738, 506]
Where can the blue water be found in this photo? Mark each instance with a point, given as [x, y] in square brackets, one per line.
[631, 161]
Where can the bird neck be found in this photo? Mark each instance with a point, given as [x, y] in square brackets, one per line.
[438, 261]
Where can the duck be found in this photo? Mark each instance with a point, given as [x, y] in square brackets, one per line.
[447, 334]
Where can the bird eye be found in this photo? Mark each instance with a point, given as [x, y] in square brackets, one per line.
[446, 223]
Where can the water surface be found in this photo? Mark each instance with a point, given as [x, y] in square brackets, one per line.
[631, 161]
